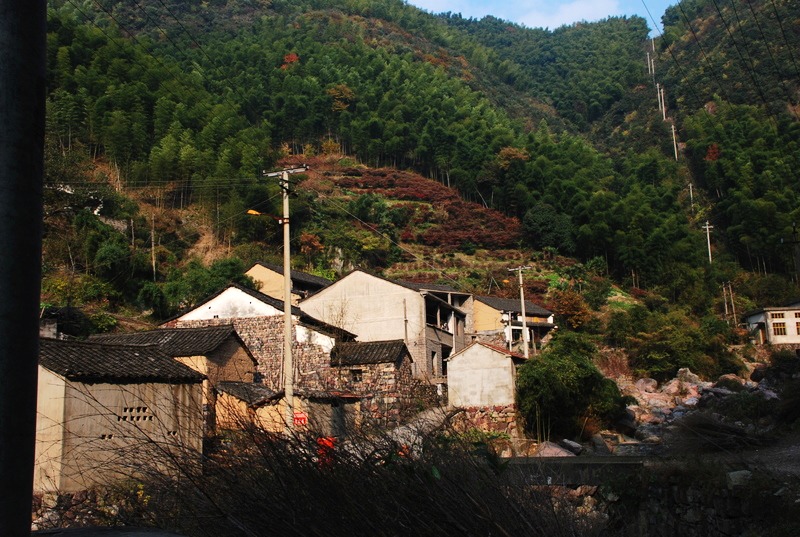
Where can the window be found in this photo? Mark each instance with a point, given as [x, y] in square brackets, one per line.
[776, 315]
[797, 326]
[797, 315]
[135, 413]
[356, 375]
[779, 329]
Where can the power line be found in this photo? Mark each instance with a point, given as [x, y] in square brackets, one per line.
[775, 64]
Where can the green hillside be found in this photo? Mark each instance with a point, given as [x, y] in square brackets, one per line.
[464, 143]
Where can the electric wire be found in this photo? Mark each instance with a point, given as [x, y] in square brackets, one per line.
[776, 66]
[785, 38]
[744, 64]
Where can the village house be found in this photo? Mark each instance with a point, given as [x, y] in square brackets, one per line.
[269, 280]
[482, 381]
[378, 371]
[105, 411]
[258, 321]
[327, 413]
[499, 320]
[217, 352]
[775, 325]
[483, 375]
[431, 320]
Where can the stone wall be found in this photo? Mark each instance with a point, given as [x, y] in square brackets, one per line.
[264, 337]
[494, 419]
[390, 391]
[697, 508]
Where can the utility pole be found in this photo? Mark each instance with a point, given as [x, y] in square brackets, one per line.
[674, 142]
[708, 229]
[522, 308]
[153, 242]
[288, 363]
[733, 305]
[22, 113]
[691, 196]
[658, 95]
[725, 299]
[663, 105]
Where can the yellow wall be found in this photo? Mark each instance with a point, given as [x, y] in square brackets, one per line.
[49, 431]
[486, 317]
[270, 282]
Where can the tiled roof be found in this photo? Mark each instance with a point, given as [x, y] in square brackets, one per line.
[305, 319]
[251, 393]
[424, 286]
[501, 350]
[114, 364]
[174, 341]
[303, 277]
[368, 352]
[513, 305]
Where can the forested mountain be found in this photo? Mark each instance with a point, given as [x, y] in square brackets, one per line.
[181, 105]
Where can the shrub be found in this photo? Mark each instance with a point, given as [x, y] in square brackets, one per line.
[562, 389]
[257, 483]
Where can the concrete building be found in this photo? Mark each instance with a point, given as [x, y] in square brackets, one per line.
[500, 320]
[483, 375]
[105, 412]
[216, 352]
[775, 325]
[431, 320]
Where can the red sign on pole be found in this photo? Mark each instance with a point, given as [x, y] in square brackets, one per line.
[300, 418]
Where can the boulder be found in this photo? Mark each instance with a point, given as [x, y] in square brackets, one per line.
[759, 372]
[647, 385]
[673, 387]
[549, 449]
[571, 446]
[739, 478]
[685, 375]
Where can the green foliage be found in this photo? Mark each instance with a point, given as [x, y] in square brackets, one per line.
[659, 343]
[562, 389]
[186, 287]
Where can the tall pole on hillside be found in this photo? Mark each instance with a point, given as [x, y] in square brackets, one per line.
[525, 338]
[708, 227]
[288, 362]
[22, 111]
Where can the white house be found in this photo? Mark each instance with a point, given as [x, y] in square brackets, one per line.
[482, 375]
[775, 326]
[258, 321]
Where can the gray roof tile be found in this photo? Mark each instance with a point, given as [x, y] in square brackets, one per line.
[368, 352]
[512, 304]
[174, 341]
[93, 362]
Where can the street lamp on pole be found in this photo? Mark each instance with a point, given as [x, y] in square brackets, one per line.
[288, 363]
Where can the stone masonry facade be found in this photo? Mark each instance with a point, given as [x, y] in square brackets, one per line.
[264, 337]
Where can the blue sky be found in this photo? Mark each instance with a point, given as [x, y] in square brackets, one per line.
[551, 13]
